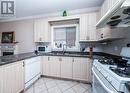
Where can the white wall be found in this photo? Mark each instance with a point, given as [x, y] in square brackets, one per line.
[23, 34]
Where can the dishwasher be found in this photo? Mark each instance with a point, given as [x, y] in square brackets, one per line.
[32, 70]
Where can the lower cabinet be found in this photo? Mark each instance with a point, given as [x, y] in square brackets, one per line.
[77, 68]
[54, 66]
[51, 66]
[82, 69]
[12, 78]
[66, 67]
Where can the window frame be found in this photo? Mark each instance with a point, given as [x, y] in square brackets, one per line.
[76, 48]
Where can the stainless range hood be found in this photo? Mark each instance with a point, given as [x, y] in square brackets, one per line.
[118, 15]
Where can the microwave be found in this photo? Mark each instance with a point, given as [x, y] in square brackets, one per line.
[43, 49]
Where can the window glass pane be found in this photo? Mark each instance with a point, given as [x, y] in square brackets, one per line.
[64, 35]
[60, 34]
[70, 36]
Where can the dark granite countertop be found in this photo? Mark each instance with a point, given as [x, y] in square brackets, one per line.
[14, 58]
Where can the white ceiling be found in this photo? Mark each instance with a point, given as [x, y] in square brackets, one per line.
[37, 7]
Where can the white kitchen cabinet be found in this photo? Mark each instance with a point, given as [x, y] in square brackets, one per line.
[55, 66]
[46, 65]
[42, 30]
[88, 27]
[108, 33]
[84, 35]
[66, 67]
[13, 77]
[51, 66]
[82, 69]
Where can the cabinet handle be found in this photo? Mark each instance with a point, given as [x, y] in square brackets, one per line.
[60, 59]
[73, 60]
[48, 58]
[87, 37]
[23, 64]
[101, 35]
[40, 39]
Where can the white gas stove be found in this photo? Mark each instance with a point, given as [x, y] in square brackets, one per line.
[107, 80]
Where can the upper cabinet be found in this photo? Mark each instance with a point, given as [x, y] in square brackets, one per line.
[42, 30]
[106, 6]
[109, 33]
[88, 27]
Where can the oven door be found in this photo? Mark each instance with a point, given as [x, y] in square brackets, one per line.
[100, 83]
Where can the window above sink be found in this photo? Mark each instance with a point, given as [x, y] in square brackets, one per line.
[65, 36]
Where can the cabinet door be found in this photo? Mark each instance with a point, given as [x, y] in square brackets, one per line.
[41, 31]
[19, 77]
[55, 66]
[92, 20]
[84, 35]
[46, 65]
[86, 69]
[77, 68]
[1, 79]
[13, 78]
[82, 69]
[66, 67]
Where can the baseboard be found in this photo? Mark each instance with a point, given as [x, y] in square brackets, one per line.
[81, 81]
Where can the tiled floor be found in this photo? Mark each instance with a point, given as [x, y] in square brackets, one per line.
[48, 85]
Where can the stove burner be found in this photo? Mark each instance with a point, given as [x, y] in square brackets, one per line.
[123, 72]
[127, 11]
[107, 61]
[114, 23]
[115, 17]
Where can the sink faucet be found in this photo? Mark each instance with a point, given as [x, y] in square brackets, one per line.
[64, 48]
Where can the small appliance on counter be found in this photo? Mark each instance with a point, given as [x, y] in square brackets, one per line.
[43, 49]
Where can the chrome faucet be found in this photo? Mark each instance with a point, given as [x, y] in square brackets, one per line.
[64, 48]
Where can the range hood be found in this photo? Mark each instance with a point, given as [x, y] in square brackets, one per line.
[117, 16]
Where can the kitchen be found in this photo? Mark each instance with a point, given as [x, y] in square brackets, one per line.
[65, 48]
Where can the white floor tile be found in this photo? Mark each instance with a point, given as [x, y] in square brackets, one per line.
[54, 90]
[89, 91]
[86, 86]
[59, 81]
[47, 79]
[69, 91]
[40, 89]
[64, 86]
[79, 89]
[50, 84]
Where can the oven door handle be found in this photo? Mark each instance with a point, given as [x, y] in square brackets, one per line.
[103, 85]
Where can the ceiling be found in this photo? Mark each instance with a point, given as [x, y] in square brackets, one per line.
[37, 7]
